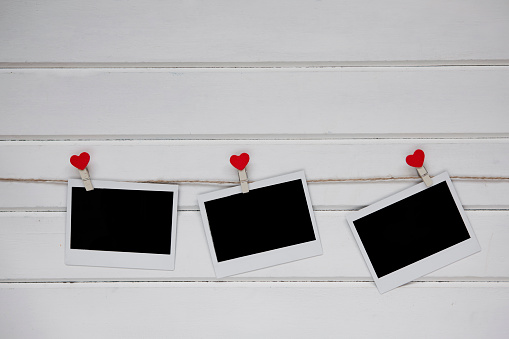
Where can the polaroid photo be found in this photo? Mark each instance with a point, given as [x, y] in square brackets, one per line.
[413, 233]
[121, 224]
[270, 225]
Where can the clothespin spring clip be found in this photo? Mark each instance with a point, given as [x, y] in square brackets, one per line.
[240, 162]
[423, 173]
[87, 182]
[416, 160]
[80, 162]
[243, 181]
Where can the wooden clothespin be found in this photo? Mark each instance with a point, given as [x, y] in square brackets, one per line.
[240, 163]
[417, 160]
[81, 162]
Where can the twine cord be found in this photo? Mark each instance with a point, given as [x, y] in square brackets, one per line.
[226, 182]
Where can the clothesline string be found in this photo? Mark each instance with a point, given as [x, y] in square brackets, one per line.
[225, 182]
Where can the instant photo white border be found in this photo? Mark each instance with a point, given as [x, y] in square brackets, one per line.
[149, 261]
[428, 264]
[264, 259]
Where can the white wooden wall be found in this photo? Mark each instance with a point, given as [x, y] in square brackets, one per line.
[168, 90]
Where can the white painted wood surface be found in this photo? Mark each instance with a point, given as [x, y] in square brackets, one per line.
[221, 31]
[323, 102]
[113, 79]
[256, 310]
[36, 240]
[145, 160]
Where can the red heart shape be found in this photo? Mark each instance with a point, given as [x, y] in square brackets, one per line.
[81, 161]
[239, 161]
[416, 160]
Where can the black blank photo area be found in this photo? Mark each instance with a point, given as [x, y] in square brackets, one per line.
[121, 220]
[411, 229]
[261, 220]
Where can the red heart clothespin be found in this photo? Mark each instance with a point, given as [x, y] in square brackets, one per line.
[240, 162]
[417, 160]
[80, 162]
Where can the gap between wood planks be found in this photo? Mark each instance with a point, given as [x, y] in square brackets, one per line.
[429, 137]
[260, 64]
[207, 283]
[319, 208]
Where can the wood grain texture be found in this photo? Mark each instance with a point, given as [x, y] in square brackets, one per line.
[335, 196]
[264, 31]
[254, 310]
[32, 249]
[243, 103]
[209, 160]
[169, 90]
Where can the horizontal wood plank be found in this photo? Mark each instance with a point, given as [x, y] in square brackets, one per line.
[32, 249]
[243, 103]
[332, 196]
[254, 310]
[263, 31]
[145, 160]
